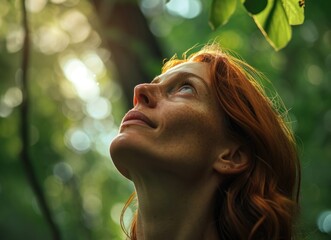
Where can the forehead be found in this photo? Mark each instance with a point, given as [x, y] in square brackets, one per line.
[197, 68]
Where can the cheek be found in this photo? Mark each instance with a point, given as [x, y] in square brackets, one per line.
[192, 121]
[191, 132]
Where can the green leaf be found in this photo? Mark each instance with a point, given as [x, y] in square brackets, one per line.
[294, 12]
[221, 11]
[274, 25]
[255, 6]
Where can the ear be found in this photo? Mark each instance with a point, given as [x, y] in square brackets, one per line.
[232, 160]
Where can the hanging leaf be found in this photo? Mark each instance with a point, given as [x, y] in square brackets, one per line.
[294, 10]
[255, 6]
[221, 11]
[274, 24]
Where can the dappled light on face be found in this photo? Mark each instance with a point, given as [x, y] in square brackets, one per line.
[184, 8]
[324, 222]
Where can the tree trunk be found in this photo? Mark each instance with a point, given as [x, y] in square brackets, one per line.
[134, 49]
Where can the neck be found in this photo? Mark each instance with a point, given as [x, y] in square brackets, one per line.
[176, 210]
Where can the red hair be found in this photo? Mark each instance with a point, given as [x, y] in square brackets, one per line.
[261, 202]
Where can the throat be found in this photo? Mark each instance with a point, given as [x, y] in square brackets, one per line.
[181, 216]
[175, 208]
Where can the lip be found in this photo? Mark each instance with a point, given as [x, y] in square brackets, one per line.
[135, 117]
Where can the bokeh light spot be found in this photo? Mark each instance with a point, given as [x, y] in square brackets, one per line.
[184, 8]
[152, 7]
[159, 27]
[92, 204]
[63, 171]
[99, 108]
[78, 140]
[35, 6]
[81, 77]
[13, 97]
[94, 63]
[14, 39]
[58, 1]
[309, 31]
[5, 110]
[324, 222]
[50, 40]
[315, 74]
[76, 25]
[231, 40]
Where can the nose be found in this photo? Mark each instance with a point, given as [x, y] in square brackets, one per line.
[145, 94]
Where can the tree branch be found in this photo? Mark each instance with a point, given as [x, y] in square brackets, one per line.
[24, 115]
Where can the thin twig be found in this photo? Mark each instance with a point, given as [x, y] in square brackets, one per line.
[26, 161]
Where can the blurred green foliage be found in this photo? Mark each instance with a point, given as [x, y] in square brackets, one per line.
[77, 104]
[273, 17]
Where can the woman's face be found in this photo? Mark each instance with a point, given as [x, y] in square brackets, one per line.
[175, 126]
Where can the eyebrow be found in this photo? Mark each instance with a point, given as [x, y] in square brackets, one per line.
[181, 75]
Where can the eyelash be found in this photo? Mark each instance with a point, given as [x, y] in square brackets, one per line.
[186, 83]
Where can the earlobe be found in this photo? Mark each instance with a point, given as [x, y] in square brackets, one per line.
[232, 161]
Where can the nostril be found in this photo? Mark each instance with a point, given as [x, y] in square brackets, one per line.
[144, 98]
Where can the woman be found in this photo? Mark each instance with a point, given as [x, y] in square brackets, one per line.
[209, 155]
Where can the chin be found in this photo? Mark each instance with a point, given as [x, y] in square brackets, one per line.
[118, 153]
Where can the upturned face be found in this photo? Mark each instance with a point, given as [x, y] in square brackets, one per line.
[175, 126]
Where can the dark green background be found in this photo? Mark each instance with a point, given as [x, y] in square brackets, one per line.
[83, 190]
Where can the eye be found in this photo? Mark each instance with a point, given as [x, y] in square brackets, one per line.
[186, 88]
